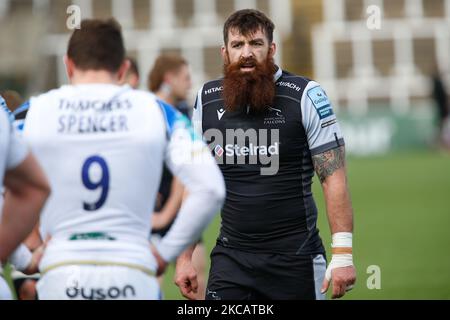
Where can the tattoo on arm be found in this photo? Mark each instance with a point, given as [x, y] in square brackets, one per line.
[329, 162]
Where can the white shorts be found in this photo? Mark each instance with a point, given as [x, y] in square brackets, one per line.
[86, 282]
[5, 291]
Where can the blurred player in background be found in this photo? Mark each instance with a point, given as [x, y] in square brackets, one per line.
[132, 76]
[27, 190]
[170, 80]
[24, 285]
[103, 147]
[12, 98]
[269, 245]
[441, 100]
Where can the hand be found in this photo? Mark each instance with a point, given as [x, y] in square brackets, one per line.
[186, 278]
[162, 265]
[343, 280]
[33, 267]
[36, 258]
[159, 221]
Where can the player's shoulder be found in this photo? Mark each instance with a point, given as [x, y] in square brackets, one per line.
[142, 98]
[5, 113]
[3, 107]
[139, 94]
[172, 116]
[58, 92]
[44, 99]
[2, 103]
[211, 91]
[286, 75]
[315, 99]
[300, 86]
[291, 84]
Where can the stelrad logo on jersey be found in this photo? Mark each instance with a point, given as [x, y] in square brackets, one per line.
[254, 147]
[251, 150]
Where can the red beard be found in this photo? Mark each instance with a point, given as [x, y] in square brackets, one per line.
[255, 89]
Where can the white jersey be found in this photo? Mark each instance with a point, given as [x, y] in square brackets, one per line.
[103, 147]
[12, 149]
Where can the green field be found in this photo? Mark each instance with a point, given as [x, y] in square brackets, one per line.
[402, 222]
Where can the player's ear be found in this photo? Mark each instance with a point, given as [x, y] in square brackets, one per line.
[224, 53]
[272, 49]
[70, 66]
[123, 70]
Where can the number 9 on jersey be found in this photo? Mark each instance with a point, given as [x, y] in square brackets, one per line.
[102, 183]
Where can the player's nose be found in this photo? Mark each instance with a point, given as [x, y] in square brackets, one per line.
[247, 51]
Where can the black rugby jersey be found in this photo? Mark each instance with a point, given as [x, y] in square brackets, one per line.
[267, 165]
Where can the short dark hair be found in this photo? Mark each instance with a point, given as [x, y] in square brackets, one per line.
[164, 63]
[133, 66]
[248, 21]
[97, 45]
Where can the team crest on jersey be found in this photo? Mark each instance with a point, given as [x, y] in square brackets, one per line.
[274, 117]
[321, 102]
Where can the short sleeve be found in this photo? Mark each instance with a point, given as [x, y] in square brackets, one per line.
[319, 120]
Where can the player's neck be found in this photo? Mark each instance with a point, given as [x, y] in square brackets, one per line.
[166, 97]
[94, 76]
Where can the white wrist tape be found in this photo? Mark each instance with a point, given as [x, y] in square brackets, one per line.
[340, 240]
[21, 258]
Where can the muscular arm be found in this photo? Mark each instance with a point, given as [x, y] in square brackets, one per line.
[171, 207]
[330, 168]
[28, 190]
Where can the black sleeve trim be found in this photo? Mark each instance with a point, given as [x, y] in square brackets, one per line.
[329, 146]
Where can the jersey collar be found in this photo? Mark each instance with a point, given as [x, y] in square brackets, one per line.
[277, 74]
